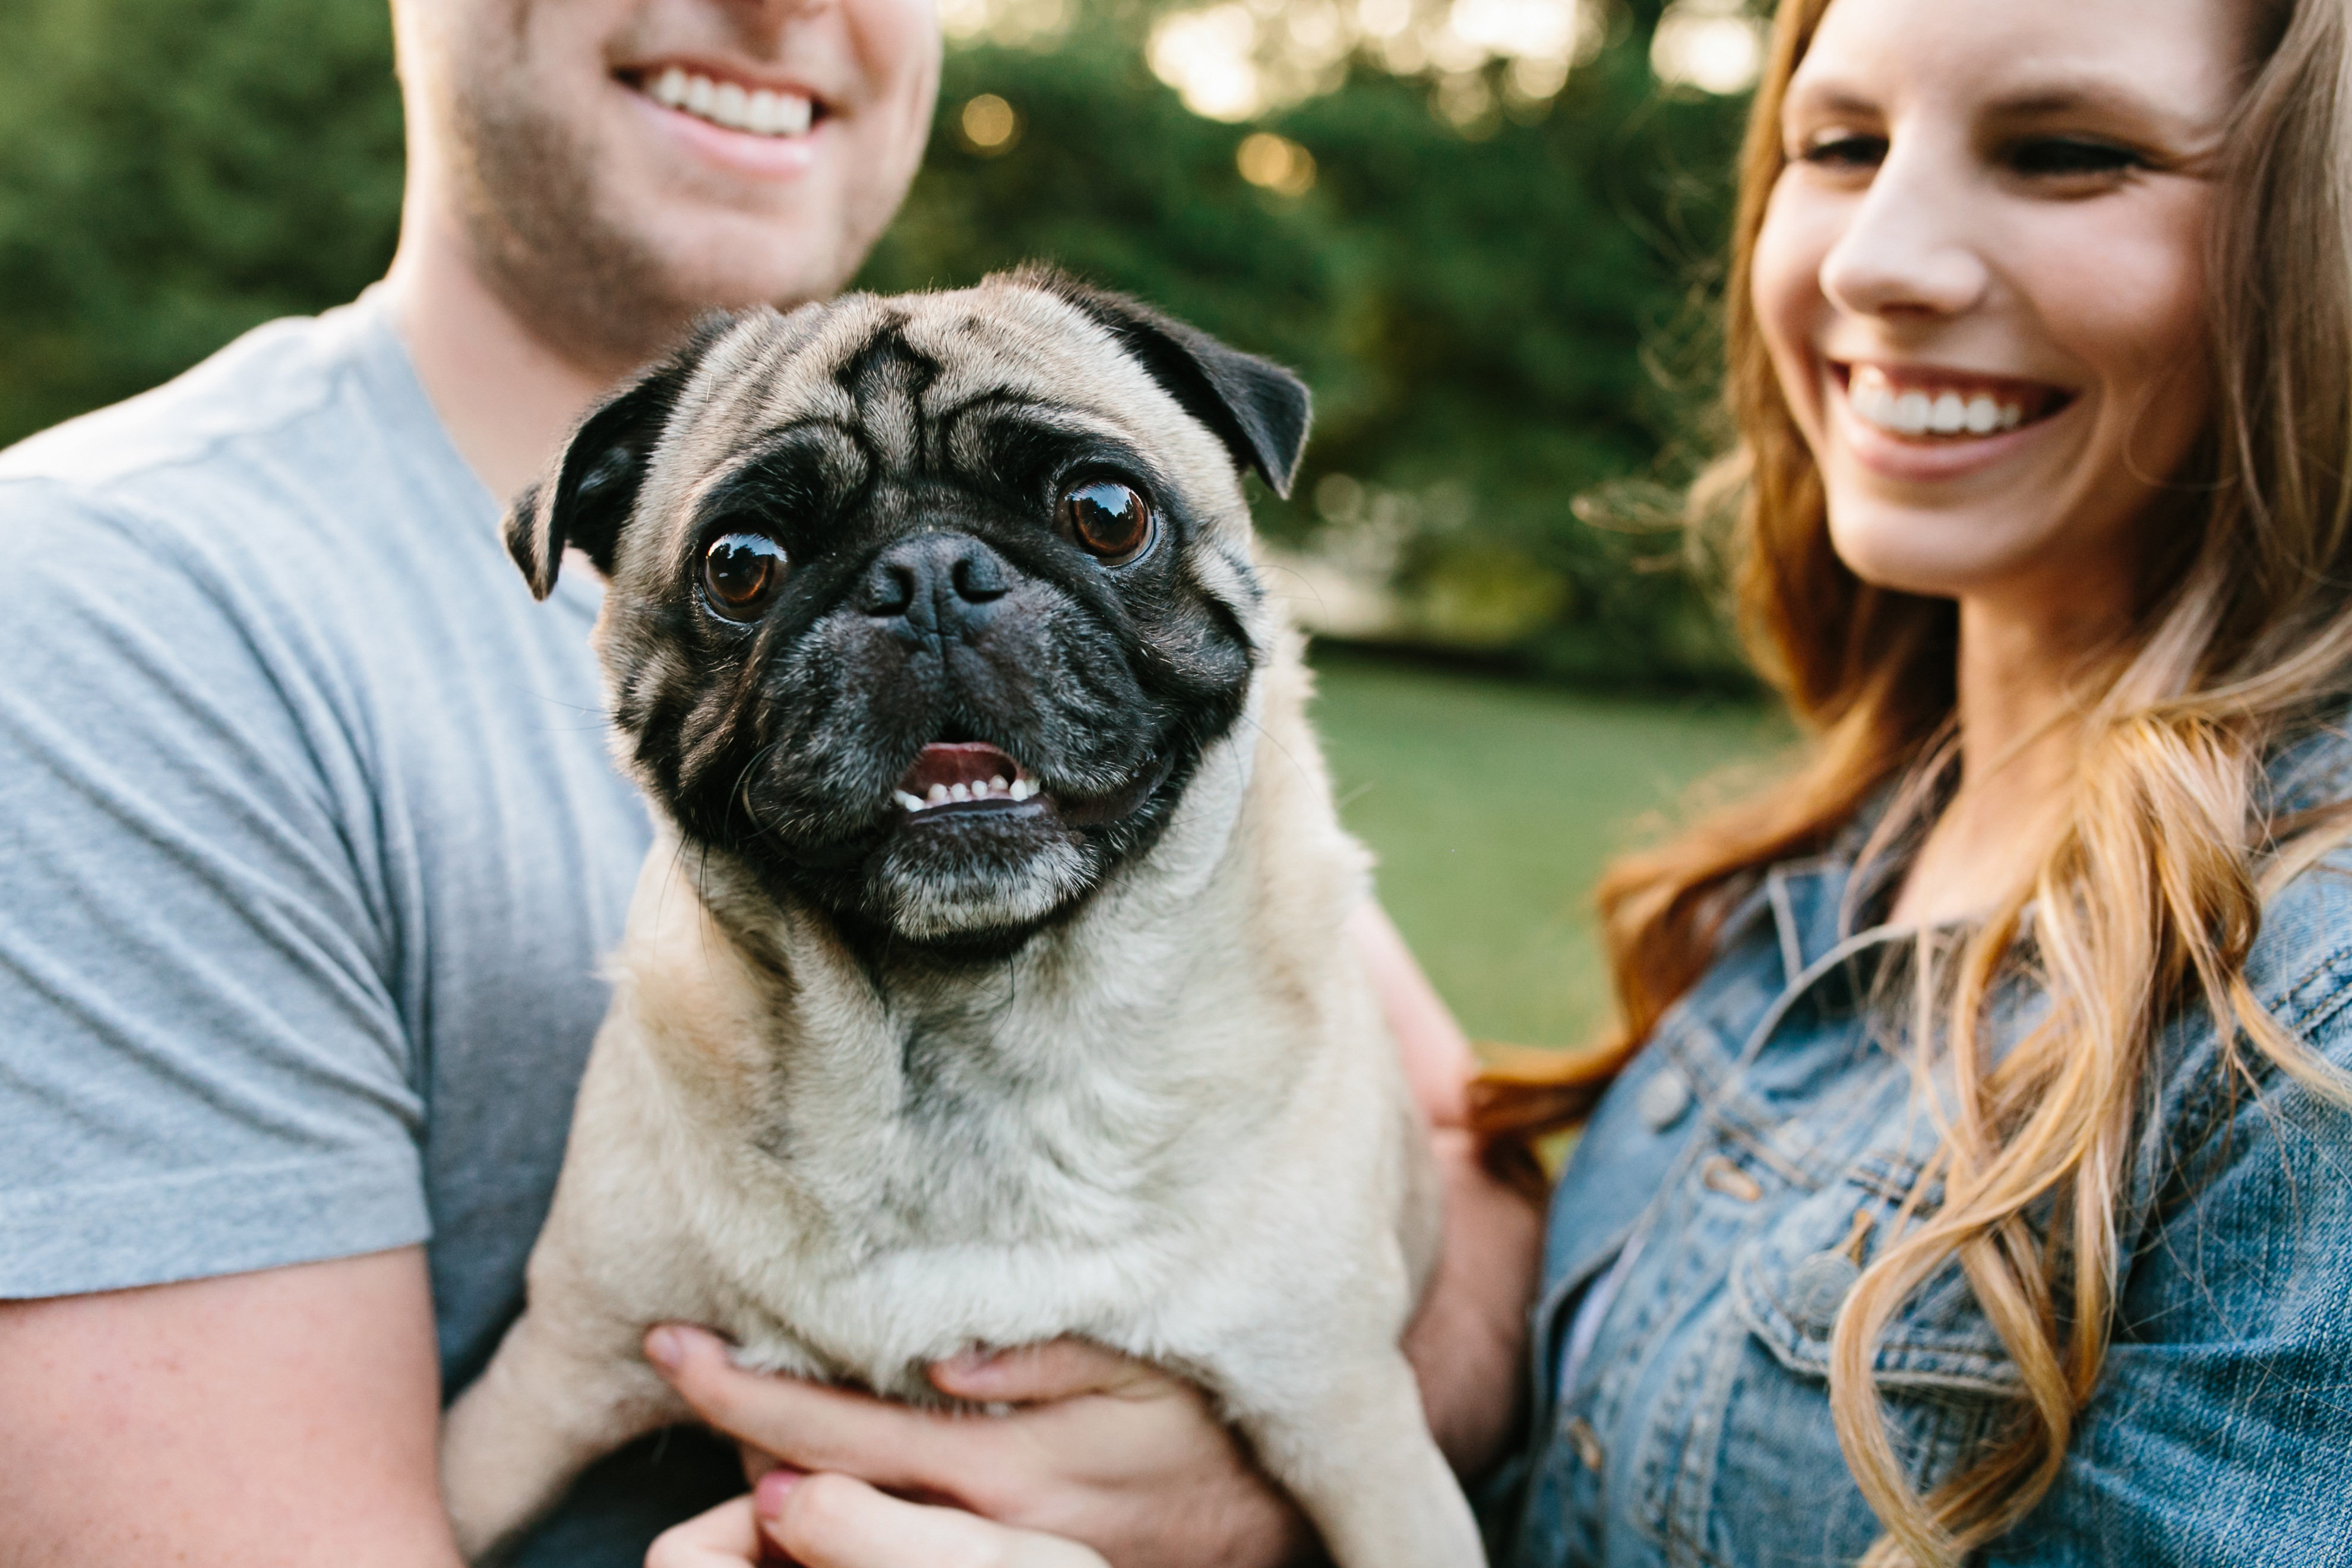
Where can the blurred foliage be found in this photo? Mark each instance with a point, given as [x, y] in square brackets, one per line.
[1499, 312]
[173, 172]
[1496, 318]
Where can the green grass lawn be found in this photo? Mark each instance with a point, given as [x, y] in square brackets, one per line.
[1492, 806]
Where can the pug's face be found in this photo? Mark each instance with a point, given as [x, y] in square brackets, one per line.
[926, 609]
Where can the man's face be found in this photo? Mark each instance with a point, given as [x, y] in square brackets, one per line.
[618, 165]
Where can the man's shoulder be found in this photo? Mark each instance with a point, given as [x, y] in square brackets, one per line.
[297, 423]
[277, 375]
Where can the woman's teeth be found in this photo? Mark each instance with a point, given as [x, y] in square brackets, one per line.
[1922, 411]
[763, 114]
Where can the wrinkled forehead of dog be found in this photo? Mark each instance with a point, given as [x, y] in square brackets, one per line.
[1027, 368]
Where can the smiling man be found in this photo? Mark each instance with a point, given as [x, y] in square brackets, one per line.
[310, 848]
[310, 845]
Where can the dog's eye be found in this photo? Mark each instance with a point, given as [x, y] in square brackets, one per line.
[742, 572]
[1108, 520]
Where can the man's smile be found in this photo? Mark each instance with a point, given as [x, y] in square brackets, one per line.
[726, 100]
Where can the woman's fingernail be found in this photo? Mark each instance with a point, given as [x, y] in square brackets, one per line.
[768, 1497]
[665, 1347]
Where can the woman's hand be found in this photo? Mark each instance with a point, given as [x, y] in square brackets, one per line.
[835, 1521]
[1095, 1449]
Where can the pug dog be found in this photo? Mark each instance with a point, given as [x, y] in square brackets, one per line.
[987, 983]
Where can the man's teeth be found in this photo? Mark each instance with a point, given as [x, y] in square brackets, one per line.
[950, 795]
[763, 114]
[1916, 413]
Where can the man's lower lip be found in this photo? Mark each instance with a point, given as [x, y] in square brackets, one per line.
[743, 151]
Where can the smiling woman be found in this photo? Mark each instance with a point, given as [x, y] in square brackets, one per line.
[2012, 1018]
[1982, 284]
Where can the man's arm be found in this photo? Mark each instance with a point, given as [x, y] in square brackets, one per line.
[289, 1416]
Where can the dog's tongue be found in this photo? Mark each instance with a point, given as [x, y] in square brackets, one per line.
[967, 762]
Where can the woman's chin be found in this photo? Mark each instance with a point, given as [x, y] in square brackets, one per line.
[1938, 554]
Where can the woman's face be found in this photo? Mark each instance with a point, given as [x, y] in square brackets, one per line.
[1981, 281]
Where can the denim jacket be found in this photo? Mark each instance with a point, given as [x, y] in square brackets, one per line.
[1714, 1214]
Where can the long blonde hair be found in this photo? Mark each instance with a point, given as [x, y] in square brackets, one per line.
[2152, 893]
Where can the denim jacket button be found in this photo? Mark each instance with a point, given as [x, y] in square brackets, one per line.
[1587, 1443]
[1817, 1288]
[1663, 1100]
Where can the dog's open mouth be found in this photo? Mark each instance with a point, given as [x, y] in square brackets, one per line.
[963, 773]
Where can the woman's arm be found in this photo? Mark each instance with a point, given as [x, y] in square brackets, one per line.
[2222, 1418]
[1467, 1342]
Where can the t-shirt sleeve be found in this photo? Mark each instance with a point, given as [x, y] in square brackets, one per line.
[204, 1068]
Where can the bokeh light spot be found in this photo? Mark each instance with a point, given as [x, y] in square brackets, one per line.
[1275, 163]
[1714, 45]
[990, 125]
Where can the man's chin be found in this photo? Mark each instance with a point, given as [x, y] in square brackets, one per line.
[739, 249]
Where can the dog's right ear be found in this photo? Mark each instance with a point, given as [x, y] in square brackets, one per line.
[586, 497]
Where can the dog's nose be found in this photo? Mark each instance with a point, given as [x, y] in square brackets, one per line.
[935, 584]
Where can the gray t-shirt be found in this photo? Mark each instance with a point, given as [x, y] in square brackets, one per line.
[310, 847]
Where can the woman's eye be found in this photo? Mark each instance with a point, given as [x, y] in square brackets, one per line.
[1108, 520]
[2045, 156]
[741, 573]
[1843, 149]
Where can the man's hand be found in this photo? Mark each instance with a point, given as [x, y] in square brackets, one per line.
[280, 1419]
[833, 1521]
[1095, 1449]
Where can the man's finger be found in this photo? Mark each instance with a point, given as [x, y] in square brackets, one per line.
[812, 1427]
[1058, 1369]
[726, 1537]
[833, 1522]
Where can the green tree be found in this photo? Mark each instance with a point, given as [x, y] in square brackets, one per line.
[1480, 307]
[173, 172]
[1483, 316]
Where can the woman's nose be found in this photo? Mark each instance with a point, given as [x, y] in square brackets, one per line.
[1908, 247]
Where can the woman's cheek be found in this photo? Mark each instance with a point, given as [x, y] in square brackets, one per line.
[2122, 291]
[1785, 290]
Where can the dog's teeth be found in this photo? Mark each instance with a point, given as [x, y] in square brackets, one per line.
[938, 795]
[1018, 789]
[998, 786]
[911, 802]
[958, 791]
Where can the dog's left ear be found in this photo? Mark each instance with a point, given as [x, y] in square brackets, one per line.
[1257, 408]
[586, 497]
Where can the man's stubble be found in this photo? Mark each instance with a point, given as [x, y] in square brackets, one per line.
[543, 240]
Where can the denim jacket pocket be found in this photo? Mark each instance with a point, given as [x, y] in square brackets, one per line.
[1788, 1282]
